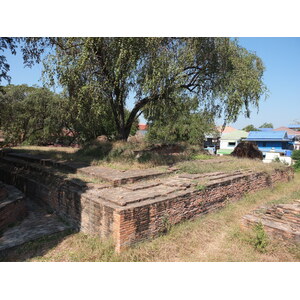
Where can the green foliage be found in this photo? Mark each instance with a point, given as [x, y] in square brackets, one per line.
[95, 150]
[201, 156]
[296, 165]
[249, 128]
[266, 125]
[296, 155]
[180, 125]
[32, 50]
[6, 43]
[211, 75]
[260, 241]
[31, 115]
[200, 187]
[166, 224]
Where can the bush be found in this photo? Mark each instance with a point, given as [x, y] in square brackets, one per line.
[296, 155]
[261, 241]
[247, 149]
[296, 165]
[95, 149]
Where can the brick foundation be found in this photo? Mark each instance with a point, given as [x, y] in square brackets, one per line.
[134, 212]
[143, 222]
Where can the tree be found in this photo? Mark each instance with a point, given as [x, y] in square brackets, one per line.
[250, 128]
[32, 49]
[10, 44]
[31, 114]
[179, 122]
[159, 73]
[266, 125]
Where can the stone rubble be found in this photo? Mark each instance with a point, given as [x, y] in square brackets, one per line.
[281, 220]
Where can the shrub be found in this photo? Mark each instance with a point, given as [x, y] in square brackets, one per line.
[260, 240]
[296, 165]
[296, 155]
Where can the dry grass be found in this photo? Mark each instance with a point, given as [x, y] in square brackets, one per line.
[47, 149]
[117, 155]
[217, 236]
[228, 164]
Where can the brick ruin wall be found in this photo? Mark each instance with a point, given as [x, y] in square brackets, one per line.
[79, 205]
[12, 206]
[148, 221]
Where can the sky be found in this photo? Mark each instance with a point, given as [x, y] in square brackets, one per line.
[281, 57]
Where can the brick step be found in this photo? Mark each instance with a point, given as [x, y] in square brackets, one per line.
[286, 219]
[69, 166]
[12, 206]
[287, 231]
[115, 177]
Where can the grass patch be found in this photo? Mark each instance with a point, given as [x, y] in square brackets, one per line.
[121, 155]
[228, 164]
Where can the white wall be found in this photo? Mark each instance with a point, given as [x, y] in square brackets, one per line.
[224, 144]
[270, 156]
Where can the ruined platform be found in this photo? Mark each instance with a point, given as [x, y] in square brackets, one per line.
[38, 223]
[117, 177]
[280, 221]
[132, 205]
[112, 176]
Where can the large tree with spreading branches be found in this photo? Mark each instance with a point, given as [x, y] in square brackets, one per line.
[157, 74]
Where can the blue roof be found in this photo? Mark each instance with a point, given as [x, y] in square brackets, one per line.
[268, 136]
[294, 126]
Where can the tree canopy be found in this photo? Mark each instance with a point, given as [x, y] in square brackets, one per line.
[32, 115]
[266, 125]
[6, 43]
[158, 77]
[250, 128]
[158, 74]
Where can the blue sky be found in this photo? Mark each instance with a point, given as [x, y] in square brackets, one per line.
[281, 57]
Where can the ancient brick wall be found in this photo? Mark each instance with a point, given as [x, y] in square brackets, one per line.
[133, 212]
[150, 220]
[12, 206]
[65, 197]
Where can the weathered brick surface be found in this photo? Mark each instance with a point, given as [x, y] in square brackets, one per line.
[280, 221]
[12, 206]
[143, 222]
[137, 211]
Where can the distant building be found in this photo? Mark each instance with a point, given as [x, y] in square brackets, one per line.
[212, 140]
[273, 144]
[265, 129]
[294, 127]
[230, 140]
[227, 129]
[294, 135]
[143, 129]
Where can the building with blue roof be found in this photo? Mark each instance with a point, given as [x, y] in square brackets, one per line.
[272, 141]
[294, 126]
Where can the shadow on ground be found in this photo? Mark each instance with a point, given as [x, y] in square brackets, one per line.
[36, 248]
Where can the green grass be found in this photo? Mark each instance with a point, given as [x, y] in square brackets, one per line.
[217, 236]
